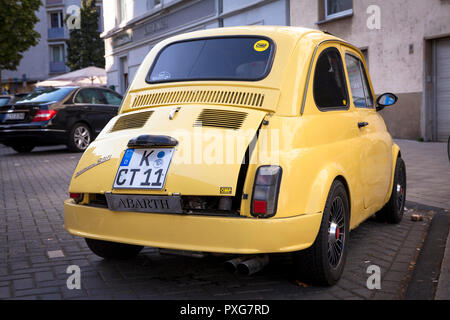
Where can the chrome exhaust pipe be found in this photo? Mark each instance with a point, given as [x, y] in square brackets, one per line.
[231, 265]
[253, 265]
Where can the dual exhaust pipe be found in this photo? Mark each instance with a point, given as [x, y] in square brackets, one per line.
[247, 265]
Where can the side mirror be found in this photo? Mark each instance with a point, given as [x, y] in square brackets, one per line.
[386, 100]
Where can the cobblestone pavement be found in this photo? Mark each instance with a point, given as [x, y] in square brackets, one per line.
[32, 190]
[427, 172]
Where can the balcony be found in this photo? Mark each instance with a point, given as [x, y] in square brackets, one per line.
[57, 33]
[54, 3]
[57, 67]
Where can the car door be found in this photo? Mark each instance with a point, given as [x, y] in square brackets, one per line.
[98, 111]
[330, 121]
[113, 100]
[375, 147]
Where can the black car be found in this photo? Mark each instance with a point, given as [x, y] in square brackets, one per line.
[7, 99]
[58, 115]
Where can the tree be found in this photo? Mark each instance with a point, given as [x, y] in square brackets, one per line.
[17, 32]
[85, 48]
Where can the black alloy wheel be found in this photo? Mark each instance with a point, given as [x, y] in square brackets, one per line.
[323, 263]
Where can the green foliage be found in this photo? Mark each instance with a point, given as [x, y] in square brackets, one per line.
[17, 34]
[85, 48]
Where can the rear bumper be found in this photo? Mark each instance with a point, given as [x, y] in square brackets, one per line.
[32, 135]
[193, 233]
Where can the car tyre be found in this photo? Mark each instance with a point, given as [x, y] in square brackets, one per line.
[26, 148]
[80, 137]
[392, 212]
[113, 250]
[323, 262]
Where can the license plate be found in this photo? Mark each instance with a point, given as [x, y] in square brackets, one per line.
[143, 168]
[144, 203]
[15, 116]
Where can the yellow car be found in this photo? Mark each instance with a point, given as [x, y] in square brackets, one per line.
[243, 140]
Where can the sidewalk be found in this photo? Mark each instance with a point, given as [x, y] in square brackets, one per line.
[428, 182]
[427, 172]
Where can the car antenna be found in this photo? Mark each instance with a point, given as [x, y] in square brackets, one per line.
[327, 32]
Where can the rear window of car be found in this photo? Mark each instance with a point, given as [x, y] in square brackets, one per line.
[45, 95]
[4, 101]
[225, 58]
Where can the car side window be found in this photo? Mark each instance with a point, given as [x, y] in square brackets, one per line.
[112, 98]
[89, 96]
[359, 84]
[329, 88]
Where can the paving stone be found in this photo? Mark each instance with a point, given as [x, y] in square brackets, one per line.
[5, 292]
[50, 296]
[44, 276]
[21, 284]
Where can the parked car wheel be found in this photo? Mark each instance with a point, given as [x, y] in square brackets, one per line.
[80, 137]
[25, 148]
[323, 262]
[392, 212]
[113, 250]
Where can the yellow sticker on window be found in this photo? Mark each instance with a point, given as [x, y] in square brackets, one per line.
[261, 45]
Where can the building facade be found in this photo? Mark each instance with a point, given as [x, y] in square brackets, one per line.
[407, 49]
[133, 27]
[47, 58]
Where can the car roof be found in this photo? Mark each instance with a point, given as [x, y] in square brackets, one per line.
[77, 87]
[272, 32]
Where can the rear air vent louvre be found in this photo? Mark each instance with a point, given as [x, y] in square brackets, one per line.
[131, 121]
[220, 119]
[239, 98]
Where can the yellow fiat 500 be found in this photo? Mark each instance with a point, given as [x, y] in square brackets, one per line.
[243, 140]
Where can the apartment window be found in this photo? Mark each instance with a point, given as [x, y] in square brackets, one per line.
[56, 19]
[100, 18]
[338, 8]
[153, 4]
[57, 53]
[121, 10]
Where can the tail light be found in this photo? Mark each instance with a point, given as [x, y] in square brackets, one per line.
[76, 196]
[265, 191]
[44, 115]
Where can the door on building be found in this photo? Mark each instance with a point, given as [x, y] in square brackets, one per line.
[124, 74]
[442, 89]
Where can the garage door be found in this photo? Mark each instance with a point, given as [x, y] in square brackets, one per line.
[442, 92]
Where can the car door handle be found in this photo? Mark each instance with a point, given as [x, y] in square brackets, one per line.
[362, 124]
